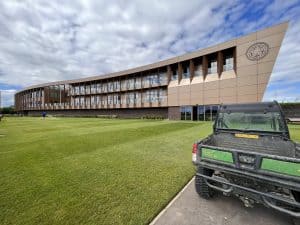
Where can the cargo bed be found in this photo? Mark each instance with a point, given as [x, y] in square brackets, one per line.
[263, 144]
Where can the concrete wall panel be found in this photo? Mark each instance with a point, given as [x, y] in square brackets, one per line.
[247, 98]
[244, 61]
[247, 90]
[211, 101]
[247, 70]
[211, 85]
[225, 92]
[246, 80]
[211, 93]
[272, 30]
[211, 77]
[229, 83]
[246, 39]
[263, 78]
[228, 99]
[265, 67]
[273, 40]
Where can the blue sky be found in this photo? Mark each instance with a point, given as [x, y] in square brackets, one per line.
[43, 41]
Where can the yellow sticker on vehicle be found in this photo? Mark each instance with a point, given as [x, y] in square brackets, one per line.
[252, 136]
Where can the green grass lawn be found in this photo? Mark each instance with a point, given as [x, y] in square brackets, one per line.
[93, 171]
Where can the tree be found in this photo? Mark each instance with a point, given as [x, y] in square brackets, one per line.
[8, 110]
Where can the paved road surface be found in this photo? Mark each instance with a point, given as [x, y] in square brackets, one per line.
[189, 209]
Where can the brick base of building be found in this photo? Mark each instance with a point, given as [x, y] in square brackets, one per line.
[174, 113]
[161, 112]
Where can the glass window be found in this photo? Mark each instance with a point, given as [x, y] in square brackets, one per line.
[201, 113]
[76, 90]
[175, 75]
[82, 91]
[186, 72]
[154, 97]
[98, 100]
[104, 100]
[198, 70]
[124, 84]
[104, 87]
[99, 87]
[87, 101]
[182, 112]
[186, 112]
[153, 79]
[130, 84]
[137, 97]
[162, 95]
[93, 88]
[93, 100]
[110, 86]
[82, 101]
[214, 111]
[110, 100]
[150, 79]
[87, 89]
[127, 99]
[269, 121]
[116, 85]
[212, 66]
[117, 99]
[207, 112]
[131, 98]
[228, 63]
[145, 81]
[147, 96]
[137, 83]
[162, 78]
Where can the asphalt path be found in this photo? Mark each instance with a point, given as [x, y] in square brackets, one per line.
[188, 208]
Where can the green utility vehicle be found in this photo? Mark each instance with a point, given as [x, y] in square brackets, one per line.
[250, 155]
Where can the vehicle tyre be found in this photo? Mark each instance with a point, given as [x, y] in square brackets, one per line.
[202, 188]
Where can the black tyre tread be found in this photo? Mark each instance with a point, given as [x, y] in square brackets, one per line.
[202, 188]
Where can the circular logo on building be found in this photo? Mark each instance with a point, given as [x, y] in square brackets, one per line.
[257, 51]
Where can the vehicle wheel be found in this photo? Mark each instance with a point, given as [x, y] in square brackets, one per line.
[202, 188]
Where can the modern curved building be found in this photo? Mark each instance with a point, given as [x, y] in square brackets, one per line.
[188, 87]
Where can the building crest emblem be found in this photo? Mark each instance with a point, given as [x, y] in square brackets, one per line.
[257, 51]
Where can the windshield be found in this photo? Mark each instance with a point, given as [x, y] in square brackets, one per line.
[270, 121]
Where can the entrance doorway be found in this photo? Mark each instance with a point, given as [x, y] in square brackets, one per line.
[195, 113]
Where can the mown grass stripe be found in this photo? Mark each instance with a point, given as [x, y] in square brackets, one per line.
[92, 171]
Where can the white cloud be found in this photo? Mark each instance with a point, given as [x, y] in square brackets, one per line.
[42, 41]
[7, 97]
